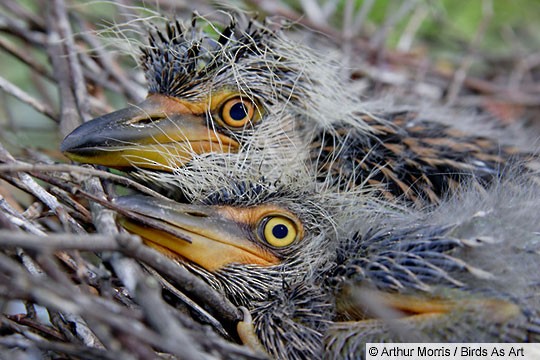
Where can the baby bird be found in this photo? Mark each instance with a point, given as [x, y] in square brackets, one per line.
[246, 94]
[321, 272]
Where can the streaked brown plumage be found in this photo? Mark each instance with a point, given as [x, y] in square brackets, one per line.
[251, 105]
[409, 158]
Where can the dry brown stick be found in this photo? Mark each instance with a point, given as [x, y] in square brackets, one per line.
[48, 199]
[91, 63]
[30, 185]
[395, 57]
[133, 247]
[21, 13]
[27, 98]
[360, 18]
[313, 11]
[77, 169]
[461, 73]
[413, 25]
[16, 28]
[378, 39]
[25, 57]
[132, 90]
[73, 326]
[66, 241]
[70, 116]
[99, 77]
[76, 350]
[16, 220]
[31, 322]
[21, 324]
[148, 296]
[523, 66]
[79, 211]
[158, 314]
[192, 284]
[23, 285]
[77, 84]
[57, 296]
[186, 300]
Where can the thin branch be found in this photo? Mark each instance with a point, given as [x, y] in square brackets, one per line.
[406, 39]
[81, 170]
[131, 246]
[378, 39]
[133, 91]
[27, 59]
[79, 351]
[461, 72]
[26, 98]
[361, 16]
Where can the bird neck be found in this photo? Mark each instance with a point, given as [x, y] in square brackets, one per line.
[303, 312]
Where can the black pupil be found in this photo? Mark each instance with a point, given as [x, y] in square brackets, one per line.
[280, 231]
[238, 111]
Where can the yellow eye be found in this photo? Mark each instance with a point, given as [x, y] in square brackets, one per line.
[279, 231]
[237, 112]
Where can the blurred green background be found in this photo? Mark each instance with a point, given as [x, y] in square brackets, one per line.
[497, 31]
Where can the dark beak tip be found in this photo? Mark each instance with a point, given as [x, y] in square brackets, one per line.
[69, 143]
[79, 138]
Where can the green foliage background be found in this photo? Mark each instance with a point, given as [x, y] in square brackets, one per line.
[446, 32]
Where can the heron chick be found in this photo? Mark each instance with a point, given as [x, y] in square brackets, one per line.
[321, 272]
[249, 94]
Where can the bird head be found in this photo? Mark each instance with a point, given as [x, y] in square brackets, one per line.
[245, 238]
[261, 244]
[221, 91]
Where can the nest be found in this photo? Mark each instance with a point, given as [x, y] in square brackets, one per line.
[72, 283]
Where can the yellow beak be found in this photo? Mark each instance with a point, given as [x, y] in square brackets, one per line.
[209, 236]
[161, 133]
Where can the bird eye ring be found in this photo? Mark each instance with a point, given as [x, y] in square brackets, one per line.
[278, 231]
[237, 112]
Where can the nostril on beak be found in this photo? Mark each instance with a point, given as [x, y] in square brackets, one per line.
[197, 214]
[147, 120]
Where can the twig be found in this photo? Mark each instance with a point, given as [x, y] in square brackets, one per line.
[131, 246]
[27, 59]
[16, 219]
[526, 64]
[461, 72]
[30, 321]
[27, 98]
[34, 188]
[378, 39]
[133, 91]
[79, 351]
[361, 16]
[147, 295]
[185, 299]
[21, 12]
[313, 12]
[60, 51]
[24, 32]
[406, 40]
[77, 169]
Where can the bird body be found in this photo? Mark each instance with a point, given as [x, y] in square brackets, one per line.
[357, 272]
[251, 95]
[282, 169]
